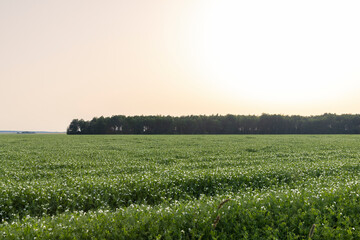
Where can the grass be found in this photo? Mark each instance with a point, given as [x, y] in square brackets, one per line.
[179, 187]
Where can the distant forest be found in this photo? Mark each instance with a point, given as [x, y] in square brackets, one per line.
[218, 124]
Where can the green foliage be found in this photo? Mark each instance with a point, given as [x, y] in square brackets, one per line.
[170, 187]
[217, 124]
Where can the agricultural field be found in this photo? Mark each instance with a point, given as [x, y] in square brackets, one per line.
[179, 187]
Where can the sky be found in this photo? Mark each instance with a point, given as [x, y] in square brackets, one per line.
[67, 59]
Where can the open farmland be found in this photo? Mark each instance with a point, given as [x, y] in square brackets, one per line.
[174, 187]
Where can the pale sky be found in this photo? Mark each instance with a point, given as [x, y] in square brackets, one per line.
[61, 60]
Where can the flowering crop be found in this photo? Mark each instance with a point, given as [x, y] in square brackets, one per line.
[165, 187]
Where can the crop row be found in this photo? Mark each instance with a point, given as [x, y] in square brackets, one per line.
[280, 214]
[36, 198]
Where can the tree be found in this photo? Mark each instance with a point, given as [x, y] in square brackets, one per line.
[74, 127]
[215, 124]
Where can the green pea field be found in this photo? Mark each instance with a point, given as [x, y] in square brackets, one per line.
[56, 186]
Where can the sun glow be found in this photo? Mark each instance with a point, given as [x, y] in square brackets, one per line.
[276, 52]
[176, 58]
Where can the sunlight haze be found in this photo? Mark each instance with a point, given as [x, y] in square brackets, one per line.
[62, 60]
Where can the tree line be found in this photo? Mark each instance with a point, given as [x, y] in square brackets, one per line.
[219, 124]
